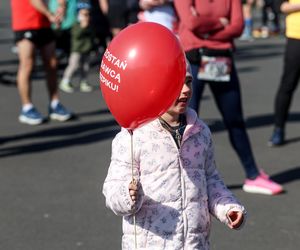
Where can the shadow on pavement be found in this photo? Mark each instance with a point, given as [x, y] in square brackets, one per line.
[69, 136]
[5, 40]
[8, 78]
[93, 113]
[247, 69]
[74, 130]
[217, 125]
[287, 176]
[256, 51]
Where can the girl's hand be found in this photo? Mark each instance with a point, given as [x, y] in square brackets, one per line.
[235, 219]
[133, 190]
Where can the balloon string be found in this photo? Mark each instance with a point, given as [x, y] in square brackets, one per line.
[133, 181]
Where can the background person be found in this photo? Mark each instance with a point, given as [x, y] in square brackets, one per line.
[291, 70]
[207, 30]
[117, 13]
[31, 21]
[63, 31]
[82, 43]
[248, 20]
[159, 11]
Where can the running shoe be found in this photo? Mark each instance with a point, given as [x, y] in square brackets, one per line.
[262, 184]
[277, 138]
[85, 87]
[66, 87]
[59, 113]
[31, 117]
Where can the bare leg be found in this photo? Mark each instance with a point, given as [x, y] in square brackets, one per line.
[50, 64]
[26, 64]
[73, 65]
[115, 31]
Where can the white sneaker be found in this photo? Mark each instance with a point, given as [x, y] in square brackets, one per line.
[31, 117]
[85, 87]
[59, 113]
[66, 87]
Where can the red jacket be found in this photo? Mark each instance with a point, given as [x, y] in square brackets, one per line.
[26, 17]
[205, 29]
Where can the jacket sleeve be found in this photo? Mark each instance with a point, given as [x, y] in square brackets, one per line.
[236, 24]
[76, 31]
[220, 199]
[115, 187]
[199, 25]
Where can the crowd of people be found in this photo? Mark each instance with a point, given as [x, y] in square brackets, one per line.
[206, 30]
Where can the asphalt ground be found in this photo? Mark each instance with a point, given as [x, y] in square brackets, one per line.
[51, 175]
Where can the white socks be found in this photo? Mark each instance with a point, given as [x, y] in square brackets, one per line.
[27, 107]
[54, 103]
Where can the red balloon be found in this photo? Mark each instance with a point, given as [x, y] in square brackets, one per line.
[141, 74]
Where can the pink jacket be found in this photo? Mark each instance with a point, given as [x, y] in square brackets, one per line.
[180, 188]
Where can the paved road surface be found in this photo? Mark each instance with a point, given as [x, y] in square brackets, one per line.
[51, 175]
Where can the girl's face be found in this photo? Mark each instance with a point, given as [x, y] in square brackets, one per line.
[84, 15]
[181, 103]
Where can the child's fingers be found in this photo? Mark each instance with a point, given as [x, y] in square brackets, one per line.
[133, 195]
[133, 190]
[133, 187]
[235, 219]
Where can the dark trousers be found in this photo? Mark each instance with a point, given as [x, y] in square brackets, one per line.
[227, 96]
[270, 5]
[289, 81]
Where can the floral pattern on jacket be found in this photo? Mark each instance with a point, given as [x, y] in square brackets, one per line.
[179, 188]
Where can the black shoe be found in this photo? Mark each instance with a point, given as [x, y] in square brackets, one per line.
[277, 138]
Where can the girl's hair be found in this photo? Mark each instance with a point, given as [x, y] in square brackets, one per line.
[188, 68]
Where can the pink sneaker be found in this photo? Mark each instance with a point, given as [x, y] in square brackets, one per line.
[262, 185]
[263, 174]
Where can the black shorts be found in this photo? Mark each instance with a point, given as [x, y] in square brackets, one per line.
[39, 37]
[117, 15]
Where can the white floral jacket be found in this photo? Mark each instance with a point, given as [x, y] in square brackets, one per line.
[179, 188]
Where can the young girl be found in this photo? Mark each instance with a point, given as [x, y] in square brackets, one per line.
[176, 185]
[82, 42]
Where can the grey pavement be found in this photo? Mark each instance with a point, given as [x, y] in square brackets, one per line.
[51, 175]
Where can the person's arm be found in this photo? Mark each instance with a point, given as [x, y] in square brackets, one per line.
[222, 203]
[55, 18]
[42, 7]
[200, 25]
[104, 6]
[235, 26]
[149, 4]
[288, 8]
[117, 185]
[61, 9]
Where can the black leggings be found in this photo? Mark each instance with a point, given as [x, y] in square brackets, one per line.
[289, 81]
[270, 5]
[228, 99]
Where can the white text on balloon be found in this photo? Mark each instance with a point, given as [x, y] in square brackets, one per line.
[114, 60]
[108, 83]
[110, 72]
